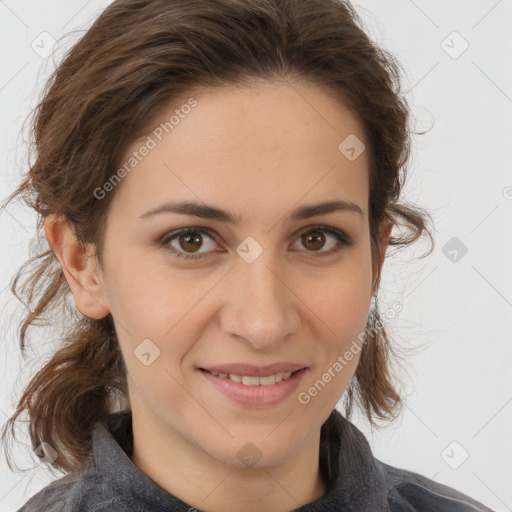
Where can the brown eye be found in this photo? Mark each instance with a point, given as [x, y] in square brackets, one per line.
[313, 240]
[187, 243]
[316, 239]
[190, 242]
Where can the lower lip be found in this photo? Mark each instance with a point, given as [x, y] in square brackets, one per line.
[256, 396]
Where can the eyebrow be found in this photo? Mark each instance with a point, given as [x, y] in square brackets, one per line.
[206, 211]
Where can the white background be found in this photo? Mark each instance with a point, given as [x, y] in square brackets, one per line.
[459, 386]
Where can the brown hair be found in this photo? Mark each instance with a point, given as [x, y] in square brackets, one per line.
[135, 58]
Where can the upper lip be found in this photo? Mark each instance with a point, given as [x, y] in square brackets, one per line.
[255, 371]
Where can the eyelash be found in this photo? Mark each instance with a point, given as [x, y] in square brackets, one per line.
[343, 240]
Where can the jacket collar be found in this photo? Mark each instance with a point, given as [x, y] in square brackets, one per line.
[354, 477]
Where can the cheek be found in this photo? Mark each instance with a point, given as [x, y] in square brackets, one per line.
[149, 299]
[144, 292]
[342, 305]
[156, 304]
[343, 301]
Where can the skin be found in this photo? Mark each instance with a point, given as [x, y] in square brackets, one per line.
[259, 151]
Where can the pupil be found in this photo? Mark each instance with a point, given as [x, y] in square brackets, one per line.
[189, 239]
[317, 240]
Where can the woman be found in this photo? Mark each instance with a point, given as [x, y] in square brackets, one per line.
[218, 182]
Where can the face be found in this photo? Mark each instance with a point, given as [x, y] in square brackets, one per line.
[194, 289]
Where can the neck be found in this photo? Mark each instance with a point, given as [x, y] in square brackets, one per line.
[201, 481]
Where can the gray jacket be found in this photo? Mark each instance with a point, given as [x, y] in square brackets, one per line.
[110, 482]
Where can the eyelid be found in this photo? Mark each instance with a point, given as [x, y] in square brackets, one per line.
[343, 239]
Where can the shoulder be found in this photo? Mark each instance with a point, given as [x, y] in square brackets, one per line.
[72, 493]
[81, 490]
[50, 498]
[412, 492]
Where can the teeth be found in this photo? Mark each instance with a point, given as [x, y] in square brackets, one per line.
[250, 381]
[254, 381]
[264, 381]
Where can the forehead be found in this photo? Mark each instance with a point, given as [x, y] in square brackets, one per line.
[269, 142]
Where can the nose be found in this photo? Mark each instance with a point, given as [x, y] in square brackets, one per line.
[260, 305]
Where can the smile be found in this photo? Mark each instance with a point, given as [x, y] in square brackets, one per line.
[249, 380]
[253, 391]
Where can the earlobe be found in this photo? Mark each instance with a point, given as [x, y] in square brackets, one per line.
[79, 266]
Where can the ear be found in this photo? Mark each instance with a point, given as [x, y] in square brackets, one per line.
[385, 233]
[79, 266]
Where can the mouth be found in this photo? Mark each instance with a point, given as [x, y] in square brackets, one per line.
[253, 380]
[254, 391]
